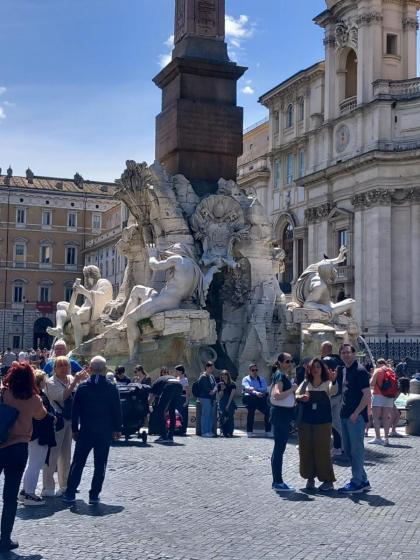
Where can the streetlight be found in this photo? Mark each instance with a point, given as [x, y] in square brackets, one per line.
[23, 321]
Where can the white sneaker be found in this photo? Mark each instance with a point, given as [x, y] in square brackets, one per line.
[33, 500]
[336, 452]
[376, 441]
[208, 435]
[269, 434]
[250, 434]
[60, 492]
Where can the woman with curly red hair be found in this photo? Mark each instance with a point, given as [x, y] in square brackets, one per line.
[19, 391]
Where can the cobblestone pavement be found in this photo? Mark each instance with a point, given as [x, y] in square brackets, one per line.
[212, 499]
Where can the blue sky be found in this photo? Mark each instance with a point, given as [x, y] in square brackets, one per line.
[76, 90]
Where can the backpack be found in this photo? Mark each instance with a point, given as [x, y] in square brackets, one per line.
[195, 389]
[389, 387]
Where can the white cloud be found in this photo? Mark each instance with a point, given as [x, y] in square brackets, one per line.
[248, 90]
[9, 104]
[170, 42]
[165, 58]
[2, 113]
[2, 90]
[239, 28]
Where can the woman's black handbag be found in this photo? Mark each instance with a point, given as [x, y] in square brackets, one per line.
[8, 416]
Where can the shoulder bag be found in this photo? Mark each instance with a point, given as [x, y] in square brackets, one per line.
[287, 402]
[8, 417]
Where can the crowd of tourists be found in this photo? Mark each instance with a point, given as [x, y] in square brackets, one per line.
[329, 401]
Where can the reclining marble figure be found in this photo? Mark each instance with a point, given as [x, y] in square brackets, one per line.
[184, 279]
[97, 292]
[311, 290]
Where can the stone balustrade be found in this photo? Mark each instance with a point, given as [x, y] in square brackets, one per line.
[397, 88]
[348, 105]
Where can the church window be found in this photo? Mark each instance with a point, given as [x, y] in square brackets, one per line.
[392, 44]
[301, 109]
[289, 116]
[290, 171]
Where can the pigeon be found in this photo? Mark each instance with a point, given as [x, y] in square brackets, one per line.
[326, 257]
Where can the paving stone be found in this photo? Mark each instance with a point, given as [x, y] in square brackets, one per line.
[204, 499]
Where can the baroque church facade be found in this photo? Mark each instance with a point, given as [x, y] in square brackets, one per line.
[342, 162]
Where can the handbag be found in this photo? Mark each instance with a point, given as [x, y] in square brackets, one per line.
[8, 417]
[287, 402]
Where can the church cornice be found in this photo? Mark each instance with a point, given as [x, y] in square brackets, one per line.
[318, 213]
[358, 162]
[385, 197]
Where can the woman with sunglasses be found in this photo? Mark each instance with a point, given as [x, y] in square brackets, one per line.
[282, 400]
[315, 427]
[142, 377]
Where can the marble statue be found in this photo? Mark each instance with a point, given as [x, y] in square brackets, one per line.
[97, 292]
[218, 222]
[184, 280]
[312, 292]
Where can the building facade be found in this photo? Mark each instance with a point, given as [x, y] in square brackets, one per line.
[344, 150]
[45, 225]
[102, 249]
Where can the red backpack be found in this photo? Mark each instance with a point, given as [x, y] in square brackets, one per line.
[389, 387]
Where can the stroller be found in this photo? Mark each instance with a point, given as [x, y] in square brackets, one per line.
[135, 408]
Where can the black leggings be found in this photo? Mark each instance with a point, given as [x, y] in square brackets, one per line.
[13, 462]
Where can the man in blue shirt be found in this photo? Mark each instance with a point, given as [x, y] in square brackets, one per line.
[255, 391]
[60, 349]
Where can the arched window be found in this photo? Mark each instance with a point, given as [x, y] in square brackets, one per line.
[351, 75]
[301, 109]
[289, 116]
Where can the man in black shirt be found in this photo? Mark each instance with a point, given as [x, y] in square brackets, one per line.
[96, 420]
[167, 389]
[356, 396]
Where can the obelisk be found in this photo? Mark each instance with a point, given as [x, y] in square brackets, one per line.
[199, 131]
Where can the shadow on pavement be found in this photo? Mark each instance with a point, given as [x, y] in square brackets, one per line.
[131, 443]
[51, 507]
[99, 510]
[295, 497]
[13, 556]
[373, 500]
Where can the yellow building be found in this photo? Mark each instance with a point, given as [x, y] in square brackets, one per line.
[45, 225]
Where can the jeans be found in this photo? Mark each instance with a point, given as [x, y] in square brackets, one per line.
[254, 403]
[207, 412]
[36, 460]
[100, 443]
[280, 420]
[167, 402]
[354, 448]
[12, 461]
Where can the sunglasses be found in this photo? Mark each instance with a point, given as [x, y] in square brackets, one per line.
[254, 370]
[287, 361]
